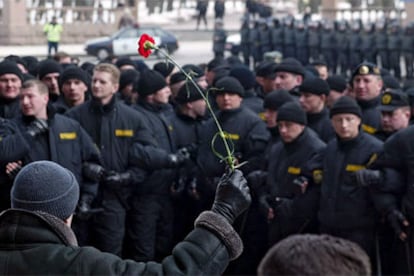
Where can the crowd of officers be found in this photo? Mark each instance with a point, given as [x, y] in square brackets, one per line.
[341, 44]
[322, 154]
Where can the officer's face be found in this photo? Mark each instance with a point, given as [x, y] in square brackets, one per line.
[103, 86]
[74, 91]
[270, 117]
[367, 87]
[346, 125]
[312, 103]
[227, 101]
[162, 96]
[10, 86]
[332, 97]
[202, 82]
[395, 120]
[287, 81]
[199, 107]
[323, 71]
[289, 131]
[51, 81]
[267, 84]
[32, 102]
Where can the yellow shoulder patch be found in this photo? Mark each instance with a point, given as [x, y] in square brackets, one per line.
[231, 136]
[124, 132]
[372, 159]
[293, 170]
[67, 135]
[262, 116]
[317, 176]
[368, 129]
[354, 168]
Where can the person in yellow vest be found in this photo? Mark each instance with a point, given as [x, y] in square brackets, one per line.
[52, 31]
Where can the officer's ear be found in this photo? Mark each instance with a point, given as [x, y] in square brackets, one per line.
[260, 80]
[299, 79]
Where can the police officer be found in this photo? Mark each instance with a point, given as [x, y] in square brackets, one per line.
[289, 75]
[313, 94]
[355, 55]
[115, 128]
[342, 48]
[151, 214]
[264, 38]
[41, 134]
[271, 103]
[395, 113]
[407, 44]
[288, 38]
[301, 43]
[255, 51]
[368, 43]
[247, 79]
[49, 72]
[337, 86]
[74, 85]
[327, 45]
[189, 118]
[276, 36]
[367, 84]
[219, 9]
[289, 201]
[398, 155]
[219, 39]
[314, 41]
[265, 77]
[10, 84]
[381, 42]
[349, 209]
[394, 49]
[245, 132]
[245, 41]
[127, 81]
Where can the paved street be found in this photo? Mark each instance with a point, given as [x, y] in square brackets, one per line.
[195, 46]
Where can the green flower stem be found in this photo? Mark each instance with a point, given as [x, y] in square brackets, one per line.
[229, 158]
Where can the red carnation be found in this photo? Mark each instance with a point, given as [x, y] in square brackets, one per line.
[145, 45]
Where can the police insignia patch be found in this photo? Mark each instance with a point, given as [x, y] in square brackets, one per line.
[386, 99]
[363, 70]
[317, 176]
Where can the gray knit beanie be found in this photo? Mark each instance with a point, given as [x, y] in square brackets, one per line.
[45, 186]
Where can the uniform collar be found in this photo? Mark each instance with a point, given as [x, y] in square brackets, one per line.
[103, 109]
[370, 103]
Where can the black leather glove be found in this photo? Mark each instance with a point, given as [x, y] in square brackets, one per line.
[256, 179]
[367, 177]
[93, 171]
[85, 211]
[116, 180]
[178, 158]
[232, 196]
[36, 127]
[398, 222]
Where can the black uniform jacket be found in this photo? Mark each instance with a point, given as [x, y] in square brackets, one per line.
[288, 161]
[115, 128]
[68, 145]
[344, 204]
